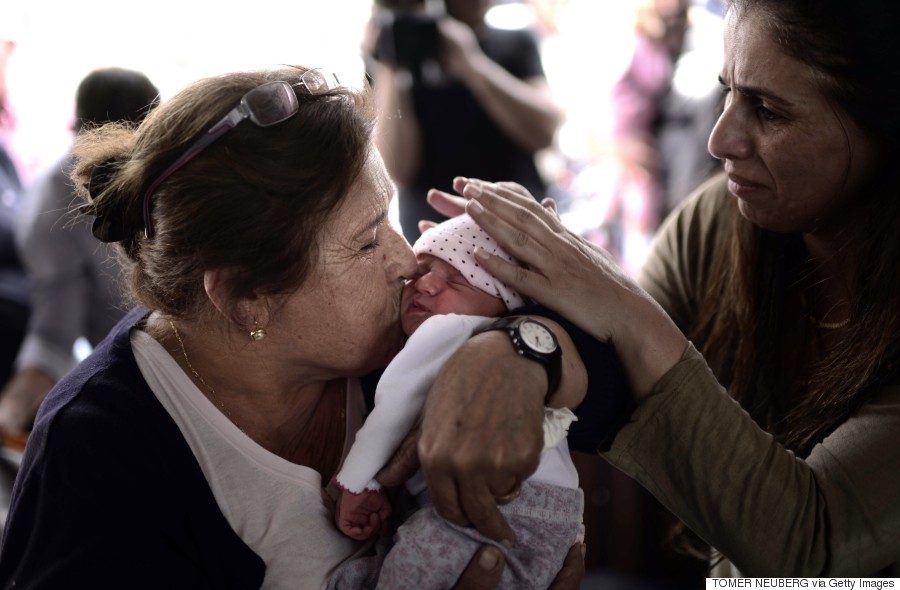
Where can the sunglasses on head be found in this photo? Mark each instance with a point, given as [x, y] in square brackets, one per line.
[266, 105]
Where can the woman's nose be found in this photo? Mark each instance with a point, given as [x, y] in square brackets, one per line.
[400, 261]
[729, 139]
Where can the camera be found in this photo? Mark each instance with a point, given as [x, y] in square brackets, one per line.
[408, 33]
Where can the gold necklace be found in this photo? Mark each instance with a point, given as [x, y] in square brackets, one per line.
[829, 325]
[820, 323]
[215, 398]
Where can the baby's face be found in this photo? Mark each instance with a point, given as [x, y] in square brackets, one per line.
[437, 289]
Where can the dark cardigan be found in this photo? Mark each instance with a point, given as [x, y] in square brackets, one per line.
[122, 503]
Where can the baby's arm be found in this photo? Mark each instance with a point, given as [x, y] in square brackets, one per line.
[363, 508]
[359, 516]
[400, 395]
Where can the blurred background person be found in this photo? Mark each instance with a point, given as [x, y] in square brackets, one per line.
[14, 304]
[690, 108]
[456, 97]
[73, 278]
[637, 97]
[631, 158]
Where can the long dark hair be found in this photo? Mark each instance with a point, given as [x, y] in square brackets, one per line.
[756, 274]
[742, 320]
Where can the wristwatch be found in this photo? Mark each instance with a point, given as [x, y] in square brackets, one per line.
[534, 340]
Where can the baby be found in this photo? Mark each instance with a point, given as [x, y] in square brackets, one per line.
[451, 299]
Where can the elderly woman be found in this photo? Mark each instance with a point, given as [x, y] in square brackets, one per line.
[194, 448]
[778, 445]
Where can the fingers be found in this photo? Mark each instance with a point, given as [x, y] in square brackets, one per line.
[425, 225]
[405, 461]
[446, 204]
[445, 497]
[521, 278]
[363, 531]
[480, 507]
[514, 205]
[484, 570]
[529, 231]
[527, 282]
[469, 501]
[358, 532]
[481, 432]
[511, 495]
[572, 572]
[452, 205]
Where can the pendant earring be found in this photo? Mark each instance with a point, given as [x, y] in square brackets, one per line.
[258, 334]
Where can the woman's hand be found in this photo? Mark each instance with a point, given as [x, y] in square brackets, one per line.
[482, 427]
[557, 263]
[482, 432]
[404, 463]
[572, 572]
[560, 269]
[20, 400]
[570, 275]
[486, 568]
[459, 47]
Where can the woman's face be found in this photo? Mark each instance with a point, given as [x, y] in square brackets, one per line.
[794, 160]
[345, 319]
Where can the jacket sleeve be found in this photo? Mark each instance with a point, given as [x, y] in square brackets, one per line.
[834, 513]
[772, 514]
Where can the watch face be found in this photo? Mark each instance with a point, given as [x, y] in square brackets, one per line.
[537, 337]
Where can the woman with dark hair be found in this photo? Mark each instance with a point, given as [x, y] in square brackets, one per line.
[195, 446]
[774, 433]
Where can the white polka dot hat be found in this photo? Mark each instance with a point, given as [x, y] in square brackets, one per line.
[454, 241]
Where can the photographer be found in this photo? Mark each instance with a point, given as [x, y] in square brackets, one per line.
[455, 97]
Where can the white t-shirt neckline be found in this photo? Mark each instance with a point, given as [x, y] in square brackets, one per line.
[278, 508]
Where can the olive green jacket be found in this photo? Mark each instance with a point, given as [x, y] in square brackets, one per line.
[770, 513]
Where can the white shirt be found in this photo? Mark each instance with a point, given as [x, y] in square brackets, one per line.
[278, 508]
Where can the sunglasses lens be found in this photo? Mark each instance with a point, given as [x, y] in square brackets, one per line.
[271, 103]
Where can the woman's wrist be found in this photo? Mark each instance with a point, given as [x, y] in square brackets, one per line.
[648, 344]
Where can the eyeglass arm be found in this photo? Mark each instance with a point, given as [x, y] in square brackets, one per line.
[225, 124]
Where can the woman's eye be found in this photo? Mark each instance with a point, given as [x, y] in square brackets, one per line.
[724, 87]
[371, 246]
[767, 114]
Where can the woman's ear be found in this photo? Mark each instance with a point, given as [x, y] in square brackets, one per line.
[245, 314]
[213, 284]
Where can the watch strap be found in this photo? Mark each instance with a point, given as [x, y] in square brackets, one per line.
[551, 361]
